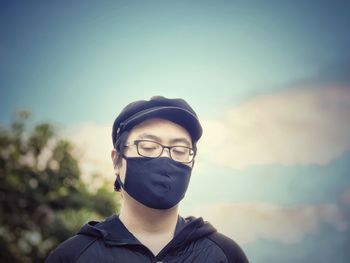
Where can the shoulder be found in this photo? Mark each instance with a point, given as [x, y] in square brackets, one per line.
[70, 250]
[231, 249]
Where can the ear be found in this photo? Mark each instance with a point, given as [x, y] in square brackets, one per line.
[114, 156]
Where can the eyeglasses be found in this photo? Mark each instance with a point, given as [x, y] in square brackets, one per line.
[153, 149]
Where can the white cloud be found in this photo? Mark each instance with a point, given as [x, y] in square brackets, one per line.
[248, 222]
[295, 126]
[93, 148]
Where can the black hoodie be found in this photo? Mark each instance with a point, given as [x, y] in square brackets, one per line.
[109, 241]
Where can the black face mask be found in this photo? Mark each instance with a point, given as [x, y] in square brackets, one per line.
[158, 183]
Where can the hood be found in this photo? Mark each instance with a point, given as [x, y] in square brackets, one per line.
[113, 232]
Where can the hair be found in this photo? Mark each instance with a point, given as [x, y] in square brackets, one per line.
[119, 147]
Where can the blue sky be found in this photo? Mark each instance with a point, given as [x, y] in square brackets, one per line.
[89, 55]
[268, 79]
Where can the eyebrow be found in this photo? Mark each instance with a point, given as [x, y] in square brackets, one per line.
[157, 139]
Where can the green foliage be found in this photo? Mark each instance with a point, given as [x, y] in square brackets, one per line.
[43, 200]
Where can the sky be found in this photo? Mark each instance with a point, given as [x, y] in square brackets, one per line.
[269, 80]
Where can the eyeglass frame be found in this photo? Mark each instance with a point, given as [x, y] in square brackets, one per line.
[136, 142]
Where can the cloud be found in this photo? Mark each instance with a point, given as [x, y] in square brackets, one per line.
[249, 222]
[305, 125]
[93, 148]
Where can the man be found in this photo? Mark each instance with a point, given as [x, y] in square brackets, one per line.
[154, 153]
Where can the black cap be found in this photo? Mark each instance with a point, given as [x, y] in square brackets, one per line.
[175, 110]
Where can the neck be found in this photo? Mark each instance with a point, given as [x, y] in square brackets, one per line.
[141, 219]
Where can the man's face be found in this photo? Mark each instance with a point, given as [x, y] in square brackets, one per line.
[158, 130]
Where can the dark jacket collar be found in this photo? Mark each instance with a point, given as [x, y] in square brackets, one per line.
[113, 231]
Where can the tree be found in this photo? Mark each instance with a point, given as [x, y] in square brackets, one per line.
[43, 200]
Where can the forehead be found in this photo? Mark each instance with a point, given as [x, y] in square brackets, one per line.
[160, 130]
